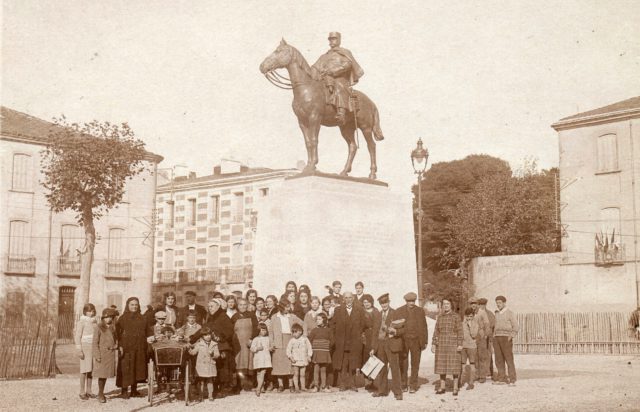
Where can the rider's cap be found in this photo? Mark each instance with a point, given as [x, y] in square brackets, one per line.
[334, 35]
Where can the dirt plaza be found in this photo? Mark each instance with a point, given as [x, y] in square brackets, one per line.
[545, 383]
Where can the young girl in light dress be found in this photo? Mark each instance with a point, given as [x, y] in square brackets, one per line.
[261, 349]
[84, 341]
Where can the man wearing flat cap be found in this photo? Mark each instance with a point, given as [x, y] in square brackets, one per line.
[415, 339]
[340, 71]
[484, 331]
[386, 344]
[201, 312]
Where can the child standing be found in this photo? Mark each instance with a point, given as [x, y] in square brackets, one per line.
[299, 351]
[469, 347]
[310, 316]
[104, 351]
[321, 341]
[206, 351]
[84, 339]
[260, 347]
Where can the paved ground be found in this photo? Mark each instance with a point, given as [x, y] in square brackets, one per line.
[545, 383]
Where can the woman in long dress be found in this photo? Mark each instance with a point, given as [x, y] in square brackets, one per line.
[280, 336]
[447, 345]
[131, 334]
[245, 328]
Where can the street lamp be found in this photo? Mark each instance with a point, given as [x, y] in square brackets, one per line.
[419, 157]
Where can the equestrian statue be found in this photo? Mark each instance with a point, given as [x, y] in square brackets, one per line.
[323, 95]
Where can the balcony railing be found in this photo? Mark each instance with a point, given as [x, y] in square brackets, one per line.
[213, 274]
[239, 274]
[118, 269]
[188, 276]
[167, 276]
[21, 265]
[610, 255]
[68, 266]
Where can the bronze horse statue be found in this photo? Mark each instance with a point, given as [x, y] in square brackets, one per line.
[311, 107]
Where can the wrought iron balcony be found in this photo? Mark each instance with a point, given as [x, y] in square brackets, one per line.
[609, 255]
[239, 274]
[213, 275]
[21, 265]
[119, 269]
[68, 266]
[167, 276]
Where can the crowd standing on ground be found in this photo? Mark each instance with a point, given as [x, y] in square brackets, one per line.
[300, 342]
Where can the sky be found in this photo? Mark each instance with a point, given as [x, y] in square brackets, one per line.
[467, 77]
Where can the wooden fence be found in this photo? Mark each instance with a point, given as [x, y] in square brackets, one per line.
[27, 347]
[575, 333]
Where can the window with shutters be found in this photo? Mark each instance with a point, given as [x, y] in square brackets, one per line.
[607, 152]
[214, 211]
[22, 172]
[15, 305]
[168, 259]
[193, 213]
[190, 259]
[116, 243]
[236, 254]
[212, 256]
[171, 213]
[71, 240]
[237, 207]
[19, 238]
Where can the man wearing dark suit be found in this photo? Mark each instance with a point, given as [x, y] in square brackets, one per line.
[201, 312]
[348, 323]
[359, 292]
[386, 345]
[415, 340]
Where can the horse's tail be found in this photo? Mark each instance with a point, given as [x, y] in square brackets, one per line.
[377, 131]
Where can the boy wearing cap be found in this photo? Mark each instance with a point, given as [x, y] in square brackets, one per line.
[414, 339]
[505, 330]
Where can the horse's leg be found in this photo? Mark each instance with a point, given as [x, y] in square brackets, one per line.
[310, 166]
[348, 133]
[371, 145]
[315, 121]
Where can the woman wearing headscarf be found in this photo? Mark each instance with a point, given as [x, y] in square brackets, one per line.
[447, 345]
[245, 328]
[131, 334]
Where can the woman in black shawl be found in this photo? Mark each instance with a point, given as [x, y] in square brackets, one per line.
[131, 334]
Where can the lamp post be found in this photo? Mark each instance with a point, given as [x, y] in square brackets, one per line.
[419, 157]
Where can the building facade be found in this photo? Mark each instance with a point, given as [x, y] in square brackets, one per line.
[597, 268]
[40, 261]
[206, 229]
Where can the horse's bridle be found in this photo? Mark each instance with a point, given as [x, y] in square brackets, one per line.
[279, 80]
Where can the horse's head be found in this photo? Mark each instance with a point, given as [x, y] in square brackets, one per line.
[280, 58]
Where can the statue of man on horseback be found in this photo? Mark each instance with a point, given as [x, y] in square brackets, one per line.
[315, 107]
[339, 70]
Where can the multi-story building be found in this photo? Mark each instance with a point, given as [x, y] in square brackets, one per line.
[598, 267]
[40, 263]
[206, 228]
[599, 172]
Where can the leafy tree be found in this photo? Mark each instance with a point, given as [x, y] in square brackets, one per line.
[504, 215]
[442, 187]
[85, 169]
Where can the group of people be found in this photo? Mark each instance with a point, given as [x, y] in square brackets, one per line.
[299, 342]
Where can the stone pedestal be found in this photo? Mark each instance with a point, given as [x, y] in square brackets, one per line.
[320, 228]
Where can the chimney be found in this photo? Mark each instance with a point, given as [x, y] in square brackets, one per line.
[244, 168]
[217, 170]
[229, 166]
[192, 175]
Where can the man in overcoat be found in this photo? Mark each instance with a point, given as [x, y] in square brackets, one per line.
[348, 323]
[386, 345]
[415, 339]
[201, 311]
